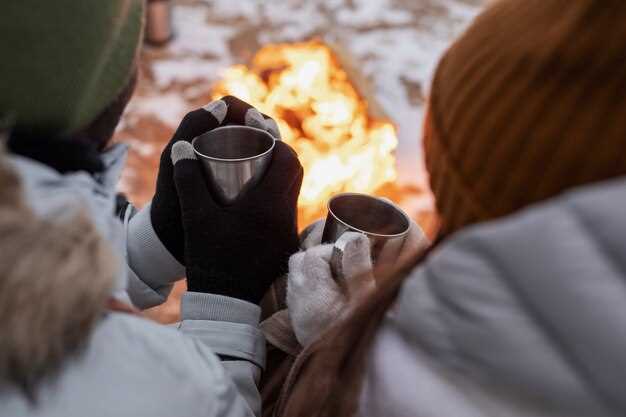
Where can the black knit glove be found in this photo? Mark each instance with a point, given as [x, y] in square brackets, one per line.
[240, 249]
[165, 210]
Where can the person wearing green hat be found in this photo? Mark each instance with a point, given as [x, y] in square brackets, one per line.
[68, 70]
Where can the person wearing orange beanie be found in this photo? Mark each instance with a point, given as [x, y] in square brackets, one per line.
[521, 114]
[519, 306]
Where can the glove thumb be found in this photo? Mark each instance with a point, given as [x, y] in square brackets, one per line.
[351, 262]
[193, 193]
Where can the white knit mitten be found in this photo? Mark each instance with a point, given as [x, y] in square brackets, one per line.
[315, 297]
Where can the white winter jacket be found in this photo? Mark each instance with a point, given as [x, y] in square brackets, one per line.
[524, 316]
[131, 366]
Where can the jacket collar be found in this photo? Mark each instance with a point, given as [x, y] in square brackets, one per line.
[51, 194]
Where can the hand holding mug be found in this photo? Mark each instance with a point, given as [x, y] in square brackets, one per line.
[316, 297]
[165, 209]
[238, 250]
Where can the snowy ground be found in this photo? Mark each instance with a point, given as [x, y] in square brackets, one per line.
[396, 43]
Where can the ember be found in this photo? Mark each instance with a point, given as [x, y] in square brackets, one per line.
[321, 114]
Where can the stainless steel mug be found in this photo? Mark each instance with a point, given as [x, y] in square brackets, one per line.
[234, 159]
[380, 220]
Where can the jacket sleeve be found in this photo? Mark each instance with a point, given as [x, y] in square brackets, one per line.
[152, 270]
[229, 328]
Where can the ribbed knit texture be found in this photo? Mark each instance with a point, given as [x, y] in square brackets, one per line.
[65, 61]
[147, 256]
[202, 306]
[529, 102]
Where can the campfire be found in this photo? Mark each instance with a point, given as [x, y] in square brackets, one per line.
[322, 115]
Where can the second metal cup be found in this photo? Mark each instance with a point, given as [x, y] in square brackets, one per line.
[380, 220]
[234, 159]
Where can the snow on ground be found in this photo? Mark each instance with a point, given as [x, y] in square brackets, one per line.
[396, 43]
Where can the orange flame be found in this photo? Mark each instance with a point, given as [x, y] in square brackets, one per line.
[321, 115]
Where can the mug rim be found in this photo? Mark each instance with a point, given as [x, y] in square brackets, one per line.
[227, 160]
[356, 229]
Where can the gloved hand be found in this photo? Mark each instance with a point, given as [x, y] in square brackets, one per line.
[240, 249]
[315, 297]
[165, 210]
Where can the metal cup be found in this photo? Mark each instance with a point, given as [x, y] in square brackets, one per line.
[234, 159]
[380, 220]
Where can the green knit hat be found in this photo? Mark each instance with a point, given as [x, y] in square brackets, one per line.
[64, 61]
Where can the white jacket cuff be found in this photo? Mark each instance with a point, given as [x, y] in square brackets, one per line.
[143, 296]
[150, 261]
[203, 306]
[229, 326]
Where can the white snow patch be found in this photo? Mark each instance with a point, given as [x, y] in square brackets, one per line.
[367, 12]
[404, 50]
[186, 70]
[142, 148]
[199, 50]
[194, 34]
[248, 10]
[170, 108]
[293, 22]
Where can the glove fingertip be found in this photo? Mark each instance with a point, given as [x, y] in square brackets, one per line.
[318, 255]
[196, 123]
[254, 118]
[237, 110]
[272, 127]
[231, 100]
[217, 109]
[355, 245]
[182, 150]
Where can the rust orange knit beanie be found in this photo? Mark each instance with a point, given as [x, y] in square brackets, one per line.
[529, 102]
